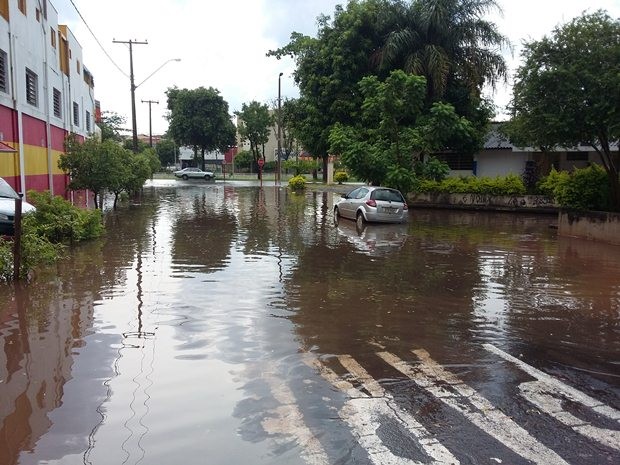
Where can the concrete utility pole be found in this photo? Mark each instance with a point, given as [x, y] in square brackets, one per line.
[134, 125]
[278, 169]
[150, 125]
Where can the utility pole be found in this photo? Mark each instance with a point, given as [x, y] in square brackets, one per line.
[134, 125]
[279, 168]
[150, 125]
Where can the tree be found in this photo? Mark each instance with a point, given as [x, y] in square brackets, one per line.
[564, 92]
[396, 130]
[111, 125]
[95, 166]
[199, 118]
[448, 42]
[329, 68]
[167, 152]
[286, 117]
[253, 125]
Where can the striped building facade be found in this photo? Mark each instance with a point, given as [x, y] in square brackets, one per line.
[46, 93]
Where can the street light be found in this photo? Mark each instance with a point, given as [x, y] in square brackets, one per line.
[279, 129]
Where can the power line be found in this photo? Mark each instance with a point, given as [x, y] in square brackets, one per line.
[97, 40]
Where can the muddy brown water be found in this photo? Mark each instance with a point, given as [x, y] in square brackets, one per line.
[187, 334]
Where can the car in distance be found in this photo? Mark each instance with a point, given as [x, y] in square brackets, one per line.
[374, 204]
[7, 208]
[194, 173]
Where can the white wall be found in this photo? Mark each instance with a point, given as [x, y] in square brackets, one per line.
[493, 163]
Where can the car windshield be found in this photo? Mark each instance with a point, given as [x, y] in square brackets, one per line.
[387, 195]
[6, 190]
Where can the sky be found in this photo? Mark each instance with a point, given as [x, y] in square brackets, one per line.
[223, 44]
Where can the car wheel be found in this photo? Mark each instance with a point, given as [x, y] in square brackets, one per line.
[336, 216]
[207, 177]
[185, 177]
[360, 221]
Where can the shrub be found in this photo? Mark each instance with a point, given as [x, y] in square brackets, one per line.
[583, 189]
[434, 169]
[508, 185]
[59, 221]
[341, 176]
[297, 183]
[35, 250]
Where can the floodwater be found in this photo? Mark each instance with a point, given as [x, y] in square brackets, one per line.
[228, 324]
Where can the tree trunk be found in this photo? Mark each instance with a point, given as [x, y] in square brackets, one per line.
[325, 163]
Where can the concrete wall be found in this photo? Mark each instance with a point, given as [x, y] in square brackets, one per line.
[534, 203]
[600, 226]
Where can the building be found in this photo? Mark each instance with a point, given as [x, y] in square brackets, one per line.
[46, 93]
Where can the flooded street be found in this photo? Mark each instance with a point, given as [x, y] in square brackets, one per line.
[227, 324]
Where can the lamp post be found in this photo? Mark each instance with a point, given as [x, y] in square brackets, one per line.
[279, 170]
[150, 125]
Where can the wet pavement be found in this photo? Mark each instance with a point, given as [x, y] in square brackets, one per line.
[223, 323]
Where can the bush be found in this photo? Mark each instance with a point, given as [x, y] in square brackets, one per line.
[341, 176]
[583, 189]
[508, 185]
[433, 169]
[297, 183]
[35, 250]
[60, 222]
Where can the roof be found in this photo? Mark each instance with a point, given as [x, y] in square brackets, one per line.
[496, 140]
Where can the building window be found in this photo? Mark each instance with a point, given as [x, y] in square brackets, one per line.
[4, 72]
[88, 121]
[32, 87]
[21, 4]
[76, 114]
[78, 67]
[53, 37]
[576, 156]
[457, 161]
[57, 103]
[38, 14]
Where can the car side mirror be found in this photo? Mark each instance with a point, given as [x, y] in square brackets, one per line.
[344, 196]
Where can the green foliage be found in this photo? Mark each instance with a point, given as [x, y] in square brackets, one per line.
[508, 185]
[432, 169]
[58, 221]
[35, 250]
[243, 159]
[167, 152]
[583, 189]
[297, 183]
[341, 176]
[253, 125]
[111, 125]
[199, 118]
[401, 178]
[563, 92]
[300, 166]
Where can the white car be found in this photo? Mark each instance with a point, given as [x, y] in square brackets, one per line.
[194, 173]
[370, 203]
[7, 208]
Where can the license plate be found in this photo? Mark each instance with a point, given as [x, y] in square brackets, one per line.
[390, 209]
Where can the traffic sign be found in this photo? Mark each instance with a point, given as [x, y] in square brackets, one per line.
[261, 162]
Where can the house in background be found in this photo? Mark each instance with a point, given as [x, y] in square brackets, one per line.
[500, 158]
[46, 93]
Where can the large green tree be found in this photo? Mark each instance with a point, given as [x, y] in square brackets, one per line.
[167, 152]
[112, 125]
[254, 121]
[199, 118]
[567, 91]
[396, 130]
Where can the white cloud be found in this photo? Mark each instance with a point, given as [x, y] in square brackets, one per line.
[223, 44]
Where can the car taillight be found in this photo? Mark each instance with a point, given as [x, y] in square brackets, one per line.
[371, 203]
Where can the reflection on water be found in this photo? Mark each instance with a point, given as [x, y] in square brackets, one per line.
[168, 340]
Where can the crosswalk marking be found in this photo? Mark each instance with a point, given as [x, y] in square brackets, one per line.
[456, 394]
[364, 414]
[547, 393]
[288, 420]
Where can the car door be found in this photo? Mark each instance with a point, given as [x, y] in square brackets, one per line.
[358, 200]
[345, 205]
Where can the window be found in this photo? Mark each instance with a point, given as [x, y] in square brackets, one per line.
[32, 88]
[53, 37]
[457, 161]
[57, 103]
[21, 4]
[38, 14]
[78, 67]
[4, 72]
[576, 156]
[76, 114]
[88, 121]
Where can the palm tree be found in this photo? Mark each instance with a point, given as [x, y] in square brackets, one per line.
[446, 40]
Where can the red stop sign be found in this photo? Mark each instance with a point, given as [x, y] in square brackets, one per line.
[261, 162]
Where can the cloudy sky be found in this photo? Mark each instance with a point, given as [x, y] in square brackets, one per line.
[222, 44]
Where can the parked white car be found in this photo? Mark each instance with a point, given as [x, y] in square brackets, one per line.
[194, 173]
[7, 208]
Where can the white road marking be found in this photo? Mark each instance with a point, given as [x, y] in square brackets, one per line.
[456, 394]
[548, 393]
[365, 414]
[289, 422]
